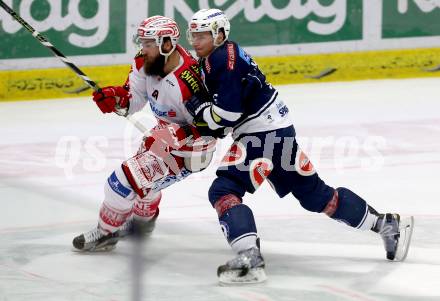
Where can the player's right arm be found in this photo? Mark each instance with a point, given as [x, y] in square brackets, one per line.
[131, 96]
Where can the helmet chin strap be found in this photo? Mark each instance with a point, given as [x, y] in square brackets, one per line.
[218, 45]
[166, 54]
[215, 40]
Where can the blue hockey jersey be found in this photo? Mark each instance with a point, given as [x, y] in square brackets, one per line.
[243, 100]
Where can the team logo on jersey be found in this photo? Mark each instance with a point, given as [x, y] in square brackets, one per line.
[231, 56]
[259, 170]
[191, 82]
[235, 155]
[303, 165]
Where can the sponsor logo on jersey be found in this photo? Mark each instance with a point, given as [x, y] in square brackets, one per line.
[231, 56]
[282, 109]
[189, 79]
[169, 82]
[162, 112]
[196, 69]
[259, 171]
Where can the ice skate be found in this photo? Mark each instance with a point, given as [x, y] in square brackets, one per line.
[133, 225]
[95, 241]
[396, 234]
[247, 267]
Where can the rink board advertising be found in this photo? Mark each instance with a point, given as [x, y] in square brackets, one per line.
[99, 33]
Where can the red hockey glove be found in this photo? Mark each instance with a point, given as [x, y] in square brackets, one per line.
[110, 99]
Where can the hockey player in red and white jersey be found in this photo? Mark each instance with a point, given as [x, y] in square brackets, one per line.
[165, 76]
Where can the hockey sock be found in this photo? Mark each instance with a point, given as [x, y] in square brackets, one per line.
[118, 202]
[237, 223]
[144, 209]
[351, 209]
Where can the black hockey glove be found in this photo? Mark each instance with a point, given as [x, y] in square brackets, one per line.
[204, 130]
[196, 105]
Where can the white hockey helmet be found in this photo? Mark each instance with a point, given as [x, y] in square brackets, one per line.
[213, 20]
[158, 28]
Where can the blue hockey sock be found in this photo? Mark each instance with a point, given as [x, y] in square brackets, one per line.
[352, 210]
[238, 226]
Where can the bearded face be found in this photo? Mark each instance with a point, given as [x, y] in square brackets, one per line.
[154, 66]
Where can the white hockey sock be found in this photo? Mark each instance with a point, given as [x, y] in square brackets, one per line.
[368, 222]
[118, 202]
[144, 209]
[244, 242]
[110, 219]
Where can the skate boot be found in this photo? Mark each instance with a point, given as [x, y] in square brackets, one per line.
[95, 240]
[133, 225]
[396, 234]
[247, 267]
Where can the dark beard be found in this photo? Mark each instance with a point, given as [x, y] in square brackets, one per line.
[156, 67]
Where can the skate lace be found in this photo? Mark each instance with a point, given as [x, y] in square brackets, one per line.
[93, 235]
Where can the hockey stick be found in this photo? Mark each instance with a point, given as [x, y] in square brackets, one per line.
[68, 63]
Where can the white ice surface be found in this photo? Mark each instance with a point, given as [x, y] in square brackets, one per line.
[379, 138]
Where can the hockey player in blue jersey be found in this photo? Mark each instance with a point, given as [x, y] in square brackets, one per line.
[265, 148]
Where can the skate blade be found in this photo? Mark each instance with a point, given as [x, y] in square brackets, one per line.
[232, 277]
[406, 227]
[106, 248]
